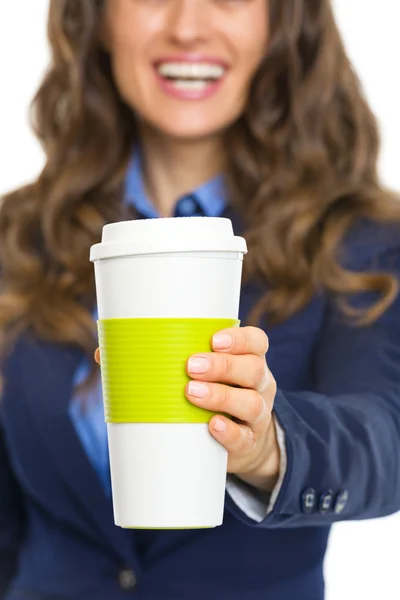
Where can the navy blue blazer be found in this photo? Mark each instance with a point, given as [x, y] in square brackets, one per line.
[338, 403]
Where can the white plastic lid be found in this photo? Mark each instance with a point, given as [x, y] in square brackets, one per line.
[178, 234]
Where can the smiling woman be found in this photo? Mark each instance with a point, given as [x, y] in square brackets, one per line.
[244, 109]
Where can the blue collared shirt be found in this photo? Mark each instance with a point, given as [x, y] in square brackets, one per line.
[88, 417]
[208, 199]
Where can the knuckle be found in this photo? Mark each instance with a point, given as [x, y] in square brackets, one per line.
[255, 337]
[225, 398]
[270, 391]
[257, 407]
[225, 366]
[260, 372]
[265, 341]
[273, 387]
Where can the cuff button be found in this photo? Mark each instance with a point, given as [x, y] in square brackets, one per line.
[341, 501]
[325, 502]
[308, 500]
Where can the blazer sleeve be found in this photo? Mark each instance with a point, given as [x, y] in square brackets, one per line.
[12, 517]
[343, 436]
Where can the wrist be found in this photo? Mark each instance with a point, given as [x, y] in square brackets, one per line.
[265, 473]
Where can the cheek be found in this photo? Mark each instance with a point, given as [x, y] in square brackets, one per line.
[252, 37]
[126, 67]
[130, 39]
[256, 46]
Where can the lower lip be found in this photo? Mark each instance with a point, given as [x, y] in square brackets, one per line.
[209, 90]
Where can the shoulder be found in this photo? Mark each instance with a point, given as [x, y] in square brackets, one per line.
[368, 243]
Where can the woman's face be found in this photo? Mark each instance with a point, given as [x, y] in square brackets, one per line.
[185, 66]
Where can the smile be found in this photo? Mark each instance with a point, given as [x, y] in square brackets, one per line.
[190, 80]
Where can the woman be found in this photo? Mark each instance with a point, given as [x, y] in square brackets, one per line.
[246, 109]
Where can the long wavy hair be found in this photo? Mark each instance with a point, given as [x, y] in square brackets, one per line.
[301, 169]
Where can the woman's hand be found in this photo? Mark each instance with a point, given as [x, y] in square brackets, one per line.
[235, 380]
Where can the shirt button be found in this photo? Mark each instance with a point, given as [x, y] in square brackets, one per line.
[308, 500]
[186, 207]
[341, 501]
[325, 502]
[127, 579]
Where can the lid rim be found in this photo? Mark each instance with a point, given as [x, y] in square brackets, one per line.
[119, 249]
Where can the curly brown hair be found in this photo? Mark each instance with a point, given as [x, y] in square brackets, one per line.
[301, 168]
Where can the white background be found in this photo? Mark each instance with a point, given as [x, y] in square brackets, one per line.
[363, 561]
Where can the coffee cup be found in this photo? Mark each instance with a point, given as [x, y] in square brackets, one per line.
[164, 287]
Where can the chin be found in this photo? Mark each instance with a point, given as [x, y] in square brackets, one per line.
[190, 131]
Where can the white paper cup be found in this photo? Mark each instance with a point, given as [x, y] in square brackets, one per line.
[163, 286]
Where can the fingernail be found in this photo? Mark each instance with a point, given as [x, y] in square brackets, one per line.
[219, 425]
[198, 365]
[198, 389]
[222, 341]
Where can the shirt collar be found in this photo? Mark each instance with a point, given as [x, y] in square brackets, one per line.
[211, 196]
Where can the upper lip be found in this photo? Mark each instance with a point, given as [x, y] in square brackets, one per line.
[191, 58]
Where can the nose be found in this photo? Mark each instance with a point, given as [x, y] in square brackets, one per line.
[189, 21]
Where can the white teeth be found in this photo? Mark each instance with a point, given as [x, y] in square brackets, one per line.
[191, 70]
[190, 85]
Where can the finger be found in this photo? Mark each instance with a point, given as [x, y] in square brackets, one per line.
[241, 340]
[235, 437]
[248, 371]
[245, 405]
[97, 355]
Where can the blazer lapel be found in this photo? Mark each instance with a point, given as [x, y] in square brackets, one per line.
[49, 397]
